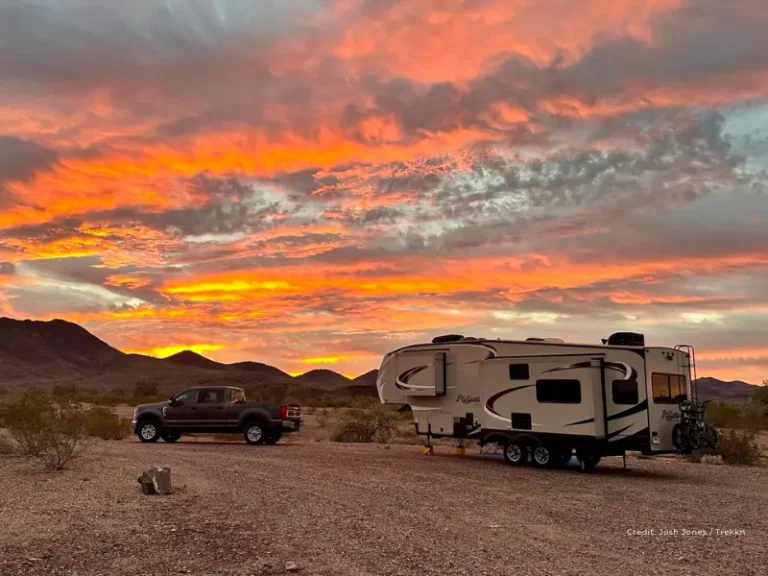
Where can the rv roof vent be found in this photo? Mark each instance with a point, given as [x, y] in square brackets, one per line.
[554, 340]
[626, 339]
[447, 338]
[469, 339]
[535, 340]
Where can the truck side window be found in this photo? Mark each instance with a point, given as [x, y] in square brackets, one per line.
[558, 391]
[624, 391]
[185, 399]
[210, 397]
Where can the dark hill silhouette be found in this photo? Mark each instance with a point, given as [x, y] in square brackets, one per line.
[731, 391]
[367, 379]
[190, 358]
[327, 379]
[47, 353]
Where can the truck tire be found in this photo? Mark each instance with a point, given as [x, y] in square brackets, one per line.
[254, 432]
[515, 452]
[273, 436]
[148, 430]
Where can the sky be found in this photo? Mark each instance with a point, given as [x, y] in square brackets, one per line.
[312, 183]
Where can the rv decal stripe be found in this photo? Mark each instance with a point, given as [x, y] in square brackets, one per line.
[628, 412]
[612, 434]
[401, 382]
[492, 400]
[587, 421]
[586, 364]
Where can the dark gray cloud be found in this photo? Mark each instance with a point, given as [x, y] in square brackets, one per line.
[20, 159]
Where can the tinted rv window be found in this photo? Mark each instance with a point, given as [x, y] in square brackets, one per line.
[558, 391]
[518, 372]
[668, 388]
[624, 391]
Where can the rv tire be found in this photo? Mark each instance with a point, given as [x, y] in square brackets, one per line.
[515, 452]
[543, 456]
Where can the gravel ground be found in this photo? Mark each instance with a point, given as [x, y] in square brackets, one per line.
[369, 509]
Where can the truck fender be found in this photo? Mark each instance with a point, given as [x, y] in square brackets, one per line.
[258, 414]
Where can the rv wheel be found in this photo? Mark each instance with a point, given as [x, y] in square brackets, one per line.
[515, 452]
[542, 456]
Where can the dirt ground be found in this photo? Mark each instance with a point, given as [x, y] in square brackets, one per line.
[348, 509]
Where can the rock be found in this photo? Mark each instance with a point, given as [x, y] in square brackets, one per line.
[291, 566]
[156, 481]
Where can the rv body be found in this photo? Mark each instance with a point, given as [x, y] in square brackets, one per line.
[598, 400]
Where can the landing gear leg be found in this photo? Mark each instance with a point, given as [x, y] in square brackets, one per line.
[428, 448]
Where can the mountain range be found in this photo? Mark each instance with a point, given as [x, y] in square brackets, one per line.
[47, 353]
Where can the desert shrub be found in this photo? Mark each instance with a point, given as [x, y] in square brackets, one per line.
[322, 418]
[65, 438]
[146, 388]
[53, 433]
[104, 423]
[25, 420]
[376, 424]
[3, 391]
[747, 416]
[739, 447]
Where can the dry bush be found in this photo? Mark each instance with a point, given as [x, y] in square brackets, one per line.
[104, 423]
[739, 447]
[375, 424]
[322, 418]
[55, 434]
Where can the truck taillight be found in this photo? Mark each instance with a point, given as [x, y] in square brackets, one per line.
[290, 411]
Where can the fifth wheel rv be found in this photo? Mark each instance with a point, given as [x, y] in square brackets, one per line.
[541, 400]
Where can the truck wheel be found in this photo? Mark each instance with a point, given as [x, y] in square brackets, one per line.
[515, 452]
[171, 436]
[254, 433]
[543, 456]
[149, 431]
[273, 437]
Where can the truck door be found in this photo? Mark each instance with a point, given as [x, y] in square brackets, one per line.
[183, 413]
[212, 405]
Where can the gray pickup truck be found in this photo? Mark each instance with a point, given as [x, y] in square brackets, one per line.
[215, 409]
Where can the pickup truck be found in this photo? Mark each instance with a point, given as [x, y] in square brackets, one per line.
[216, 409]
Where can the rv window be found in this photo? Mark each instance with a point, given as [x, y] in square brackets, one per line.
[624, 391]
[558, 391]
[668, 388]
[518, 372]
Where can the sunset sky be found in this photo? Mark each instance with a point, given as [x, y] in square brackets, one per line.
[311, 183]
